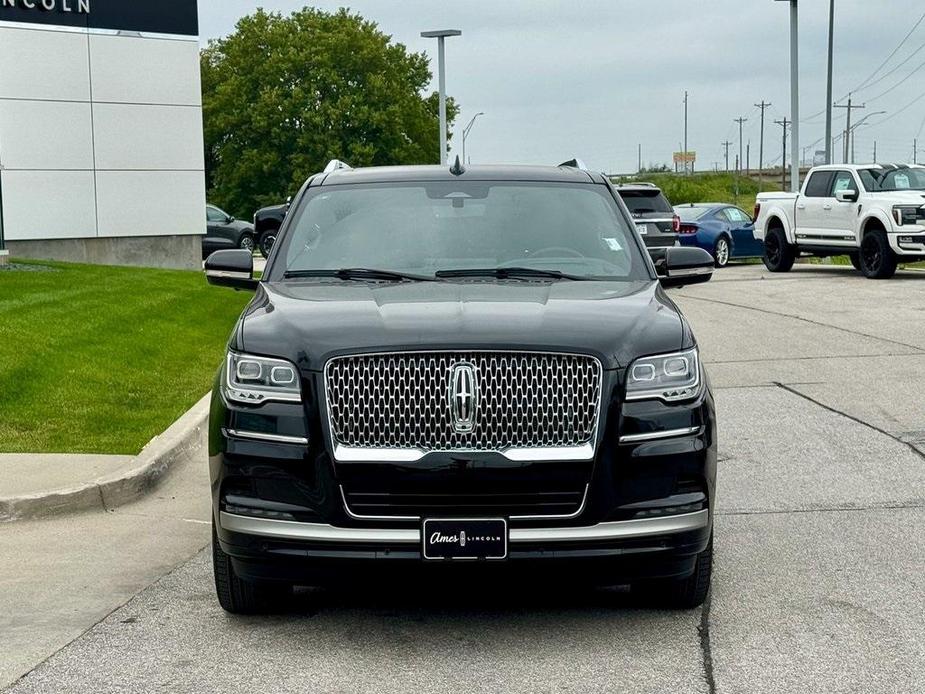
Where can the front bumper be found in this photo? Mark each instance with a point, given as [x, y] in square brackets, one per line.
[281, 513]
[908, 243]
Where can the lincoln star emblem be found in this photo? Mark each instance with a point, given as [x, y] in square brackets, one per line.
[464, 397]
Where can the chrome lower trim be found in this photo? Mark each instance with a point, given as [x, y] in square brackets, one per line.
[346, 454]
[656, 435]
[584, 502]
[631, 529]
[259, 436]
[357, 516]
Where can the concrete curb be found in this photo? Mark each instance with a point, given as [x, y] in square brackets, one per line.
[181, 442]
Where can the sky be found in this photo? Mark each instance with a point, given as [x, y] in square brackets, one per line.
[595, 79]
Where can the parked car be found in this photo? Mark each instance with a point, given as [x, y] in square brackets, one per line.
[444, 364]
[873, 213]
[224, 231]
[724, 231]
[267, 222]
[655, 219]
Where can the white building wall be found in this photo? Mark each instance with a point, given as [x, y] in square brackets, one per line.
[100, 135]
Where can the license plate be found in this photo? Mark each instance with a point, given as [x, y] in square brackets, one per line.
[465, 539]
[642, 228]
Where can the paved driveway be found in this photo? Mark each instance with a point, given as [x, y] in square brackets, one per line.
[820, 552]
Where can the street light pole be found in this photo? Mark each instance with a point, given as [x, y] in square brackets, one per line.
[828, 103]
[794, 94]
[466, 135]
[441, 60]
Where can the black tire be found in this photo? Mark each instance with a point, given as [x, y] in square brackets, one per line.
[855, 260]
[779, 255]
[686, 593]
[238, 596]
[721, 251]
[267, 239]
[246, 242]
[878, 261]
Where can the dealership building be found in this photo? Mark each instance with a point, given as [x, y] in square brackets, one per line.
[101, 145]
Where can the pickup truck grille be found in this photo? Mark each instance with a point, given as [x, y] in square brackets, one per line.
[504, 400]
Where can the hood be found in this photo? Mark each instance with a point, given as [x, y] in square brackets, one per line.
[311, 322]
[901, 197]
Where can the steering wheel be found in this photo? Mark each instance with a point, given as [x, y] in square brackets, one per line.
[554, 251]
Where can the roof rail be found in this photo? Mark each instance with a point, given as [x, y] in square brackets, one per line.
[336, 165]
[575, 164]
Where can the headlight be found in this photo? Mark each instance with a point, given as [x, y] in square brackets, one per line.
[668, 377]
[255, 380]
[904, 214]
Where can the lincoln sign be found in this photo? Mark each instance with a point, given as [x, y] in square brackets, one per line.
[151, 16]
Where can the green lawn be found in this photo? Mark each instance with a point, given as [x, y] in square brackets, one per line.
[709, 187]
[102, 359]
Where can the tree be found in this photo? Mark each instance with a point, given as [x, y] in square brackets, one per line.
[282, 96]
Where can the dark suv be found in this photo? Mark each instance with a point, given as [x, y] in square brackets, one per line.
[442, 365]
[655, 218]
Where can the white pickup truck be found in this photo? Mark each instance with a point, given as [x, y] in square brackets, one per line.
[873, 213]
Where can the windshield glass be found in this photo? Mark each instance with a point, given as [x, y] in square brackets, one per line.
[646, 201]
[879, 180]
[422, 228]
[691, 214]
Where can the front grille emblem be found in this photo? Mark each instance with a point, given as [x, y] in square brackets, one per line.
[464, 398]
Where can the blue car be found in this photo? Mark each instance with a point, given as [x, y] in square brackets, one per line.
[724, 231]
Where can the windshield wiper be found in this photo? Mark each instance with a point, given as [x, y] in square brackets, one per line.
[359, 273]
[503, 273]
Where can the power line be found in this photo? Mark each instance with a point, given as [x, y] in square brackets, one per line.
[896, 69]
[867, 82]
[900, 83]
[903, 109]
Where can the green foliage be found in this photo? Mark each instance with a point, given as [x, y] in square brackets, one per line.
[282, 96]
[102, 359]
[707, 187]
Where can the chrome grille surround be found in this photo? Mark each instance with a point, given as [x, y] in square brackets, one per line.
[396, 406]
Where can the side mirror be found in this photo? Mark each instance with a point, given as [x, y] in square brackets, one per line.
[229, 220]
[846, 195]
[687, 265]
[232, 268]
[288, 203]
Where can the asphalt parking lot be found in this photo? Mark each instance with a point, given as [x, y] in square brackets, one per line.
[819, 550]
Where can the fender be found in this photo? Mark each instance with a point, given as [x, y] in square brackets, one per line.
[782, 213]
[867, 215]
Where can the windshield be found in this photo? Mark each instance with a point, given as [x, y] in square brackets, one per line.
[420, 229]
[646, 201]
[691, 214]
[880, 180]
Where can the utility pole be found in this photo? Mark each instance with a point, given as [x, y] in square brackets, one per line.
[741, 121]
[915, 151]
[639, 170]
[828, 98]
[748, 158]
[763, 105]
[783, 164]
[875, 151]
[726, 145]
[848, 138]
[685, 132]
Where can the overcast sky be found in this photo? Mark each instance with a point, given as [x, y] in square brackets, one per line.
[595, 78]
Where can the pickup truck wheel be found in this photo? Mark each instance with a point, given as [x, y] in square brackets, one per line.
[721, 252]
[238, 596]
[267, 241]
[779, 255]
[855, 260]
[686, 593]
[878, 261]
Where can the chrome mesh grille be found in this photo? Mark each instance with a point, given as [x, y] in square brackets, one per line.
[402, 400]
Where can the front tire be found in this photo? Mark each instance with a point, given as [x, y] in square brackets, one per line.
[878, 261]
[237, 596]
[721, 252]
[685, 593]
[779, 255]
[267, 239]
[855, 260]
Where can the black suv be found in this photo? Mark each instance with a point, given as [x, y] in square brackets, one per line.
[655, 218]
[442, 365]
